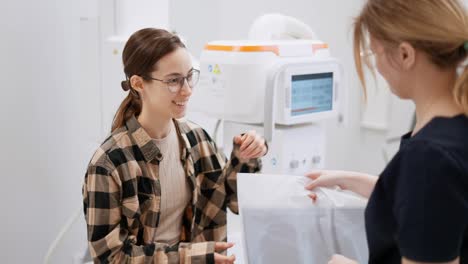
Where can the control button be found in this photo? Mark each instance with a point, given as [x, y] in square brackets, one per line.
[273, 161]
[316, 159]
[294, 164]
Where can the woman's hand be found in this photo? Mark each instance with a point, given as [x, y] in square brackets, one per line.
[221, 259]
[325, 178]
[339, 259]
[357, 182]
[252, 146]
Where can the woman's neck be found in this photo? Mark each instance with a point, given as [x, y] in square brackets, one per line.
[155, 126]
[433, 97]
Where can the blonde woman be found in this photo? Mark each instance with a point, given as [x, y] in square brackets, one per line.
[418, 207]
[157, 189]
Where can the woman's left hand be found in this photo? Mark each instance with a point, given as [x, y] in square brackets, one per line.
[339, 259]
[251, 144]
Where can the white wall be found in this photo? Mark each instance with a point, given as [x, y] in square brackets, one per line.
[45, 120]
[348, 146]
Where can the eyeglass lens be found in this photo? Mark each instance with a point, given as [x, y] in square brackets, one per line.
[178, 83]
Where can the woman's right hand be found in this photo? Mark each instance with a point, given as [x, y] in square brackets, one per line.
[357, 182]
[221, 259]
[326, 178]
[339, 259]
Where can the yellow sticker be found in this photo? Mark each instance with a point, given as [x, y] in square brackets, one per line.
[216, 69]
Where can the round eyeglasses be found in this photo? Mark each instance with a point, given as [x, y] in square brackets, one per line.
[175, 84]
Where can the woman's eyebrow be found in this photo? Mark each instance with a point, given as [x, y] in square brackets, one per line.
[173, 74]
[177, 73]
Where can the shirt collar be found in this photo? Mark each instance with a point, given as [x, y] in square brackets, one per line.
[405, 139]
[148, 147]
[143, 140]
[182, 130]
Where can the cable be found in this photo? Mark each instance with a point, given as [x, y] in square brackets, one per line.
[215, 131]
[61, 234]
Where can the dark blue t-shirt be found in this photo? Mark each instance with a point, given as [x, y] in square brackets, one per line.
[419, 207]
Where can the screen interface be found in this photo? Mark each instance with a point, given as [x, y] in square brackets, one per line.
[311, 93]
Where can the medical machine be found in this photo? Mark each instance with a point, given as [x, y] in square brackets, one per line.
[280, 88]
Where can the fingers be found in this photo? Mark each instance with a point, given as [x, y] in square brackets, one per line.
[237, 139]
[314, 184]
[255, 148]
[259, 152]
[221, 246]
[339, 259]
[247, 139]
[313, 196]
[221, 259]
[320, 178]
[314, 174]
[251, 145]
[333, 260]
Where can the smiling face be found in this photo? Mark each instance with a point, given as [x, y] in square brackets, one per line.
[157, 98]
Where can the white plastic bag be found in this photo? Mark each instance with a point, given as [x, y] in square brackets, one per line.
[281, 224]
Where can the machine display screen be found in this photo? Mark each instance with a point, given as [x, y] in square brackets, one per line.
[311, 93]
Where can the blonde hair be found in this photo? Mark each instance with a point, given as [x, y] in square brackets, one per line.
[437, 27]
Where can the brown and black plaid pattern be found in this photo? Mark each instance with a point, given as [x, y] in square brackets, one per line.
[122, 193]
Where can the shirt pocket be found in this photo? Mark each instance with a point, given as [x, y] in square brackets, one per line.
[144, 201]
[136, 206]
[145, 192]
[150, 202]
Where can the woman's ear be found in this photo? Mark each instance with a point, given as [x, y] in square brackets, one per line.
[406, 55]
[137, 83]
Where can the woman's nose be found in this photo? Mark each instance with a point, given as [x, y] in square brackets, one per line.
[186, 89]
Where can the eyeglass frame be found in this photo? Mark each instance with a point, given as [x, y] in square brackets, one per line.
[181, 83]
[369, 57]
[367, 53]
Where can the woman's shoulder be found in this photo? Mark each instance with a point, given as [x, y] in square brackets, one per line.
[425, 150]
[425, 158]
[115, 144]
[186, 125]
[449, 133]
[193, 131]
[423, 167]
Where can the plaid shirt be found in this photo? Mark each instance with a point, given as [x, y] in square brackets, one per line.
[122, 195]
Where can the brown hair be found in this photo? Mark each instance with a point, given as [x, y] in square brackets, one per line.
[437, 27]
[142, 51]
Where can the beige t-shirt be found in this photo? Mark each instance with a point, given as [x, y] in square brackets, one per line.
[175, 192]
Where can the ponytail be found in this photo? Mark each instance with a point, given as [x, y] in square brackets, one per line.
[130, 106]
[461, 89]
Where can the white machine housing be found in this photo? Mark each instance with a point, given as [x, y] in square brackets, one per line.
[235, 76]
[279, 88]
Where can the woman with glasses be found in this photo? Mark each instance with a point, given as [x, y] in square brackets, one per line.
[157, 189]
[418, 206]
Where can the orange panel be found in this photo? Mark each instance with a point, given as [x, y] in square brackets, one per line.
[272, 48]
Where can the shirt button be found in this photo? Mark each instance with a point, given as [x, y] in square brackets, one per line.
[159, 156]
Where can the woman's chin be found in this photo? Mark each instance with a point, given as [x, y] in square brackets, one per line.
[179, 115]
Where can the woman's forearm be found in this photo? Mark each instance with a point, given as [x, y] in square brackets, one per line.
[360, 183]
